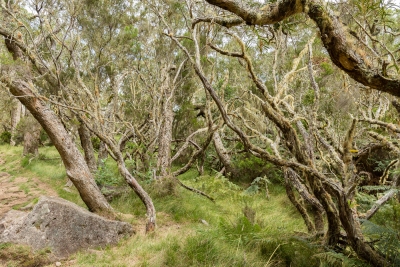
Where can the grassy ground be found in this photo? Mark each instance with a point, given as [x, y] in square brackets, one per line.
[237, 230]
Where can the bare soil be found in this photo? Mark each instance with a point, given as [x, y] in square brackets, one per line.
[17, 192]
[20, 192]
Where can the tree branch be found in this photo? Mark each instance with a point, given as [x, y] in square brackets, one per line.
[335, 37]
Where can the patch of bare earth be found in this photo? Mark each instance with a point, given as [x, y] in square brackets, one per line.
[19, 192]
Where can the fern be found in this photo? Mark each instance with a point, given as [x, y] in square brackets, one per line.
[375, 188]
[257, 184]
[333, 259]
[384, 239]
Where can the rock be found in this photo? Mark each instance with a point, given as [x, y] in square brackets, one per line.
[61, 226]
[27, 207]
[67, 189]
[58, 264]
[204, 222]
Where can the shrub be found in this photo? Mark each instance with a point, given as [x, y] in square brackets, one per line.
[250, 167]
[96, 143]
[5, 137]
[384, 239]
[44, 138]
[105, 175]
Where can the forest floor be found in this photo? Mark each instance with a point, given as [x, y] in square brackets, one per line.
[20, 192]
[240, 228]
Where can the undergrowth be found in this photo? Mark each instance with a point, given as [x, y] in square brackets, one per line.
[238, 229]
[22, 256]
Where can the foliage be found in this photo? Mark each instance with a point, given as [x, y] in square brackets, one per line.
[231, 239]
[389, 215]
[110, 57]
[334, 259]
[219, 184]
[95, 142]
[5, 137]
[167, 186]
[385, 240]
[380, 165]
[242, 232]
[365, 200]
[258, 184]
[250, 167]
[308, 98]
[107, 174]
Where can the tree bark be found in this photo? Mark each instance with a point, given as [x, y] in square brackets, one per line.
[102, 155]
[144, 197]
[164, 141]
[15, 119]
[379, 203]
[292, 179]
[32, 139]
[321, 185]
[300, 208]
[21, 86]
[115, 152]
[351, 224]
[167, 117]
[86, 142]
[223, 155]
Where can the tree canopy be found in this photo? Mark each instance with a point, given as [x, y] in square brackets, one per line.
[307, 88]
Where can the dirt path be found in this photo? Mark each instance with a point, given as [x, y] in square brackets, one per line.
[19, 192]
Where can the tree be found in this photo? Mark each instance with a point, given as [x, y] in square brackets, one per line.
[17, 77]
[16, 114]
[336, 194]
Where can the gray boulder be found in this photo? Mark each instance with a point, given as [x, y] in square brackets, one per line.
[61, 226]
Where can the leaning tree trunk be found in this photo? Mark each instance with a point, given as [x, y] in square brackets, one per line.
[351, 224]
[292, 180]
[87, 146]
[144, 197]
[300, 208]
[15, 118]
[76, 167]
[115, 151]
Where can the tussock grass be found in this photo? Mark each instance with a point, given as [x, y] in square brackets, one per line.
[229, 239]
[237, 230]
[21, 256]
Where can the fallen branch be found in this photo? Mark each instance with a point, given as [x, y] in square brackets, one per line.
[379, 203]
[194, 190]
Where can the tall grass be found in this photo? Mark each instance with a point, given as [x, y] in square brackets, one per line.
[228, 238]
[237, 230]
